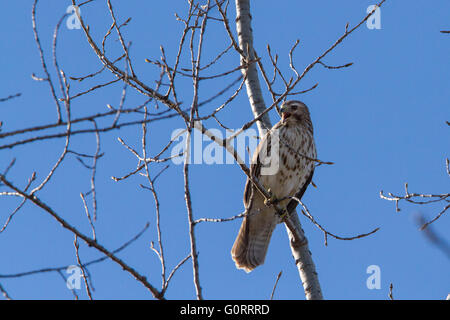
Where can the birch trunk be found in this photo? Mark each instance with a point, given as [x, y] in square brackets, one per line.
[300, 251]
[245, 36]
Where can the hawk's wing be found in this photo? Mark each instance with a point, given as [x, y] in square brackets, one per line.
[249, 249]
[255, 166]
[293, 203]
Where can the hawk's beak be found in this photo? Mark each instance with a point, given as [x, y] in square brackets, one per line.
[284, 114]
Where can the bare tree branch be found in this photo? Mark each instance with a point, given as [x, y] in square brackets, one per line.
[275, 285]
[89, 241]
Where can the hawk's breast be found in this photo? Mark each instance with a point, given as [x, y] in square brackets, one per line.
[295, 142]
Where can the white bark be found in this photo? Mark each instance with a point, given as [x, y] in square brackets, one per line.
[303, 260]
[245, 37]
[300, 251]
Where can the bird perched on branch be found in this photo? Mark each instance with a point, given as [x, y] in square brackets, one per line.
[284, 164]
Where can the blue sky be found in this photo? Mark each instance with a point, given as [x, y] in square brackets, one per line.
[381, 121]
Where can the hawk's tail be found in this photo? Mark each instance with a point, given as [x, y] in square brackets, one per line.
[251, 244]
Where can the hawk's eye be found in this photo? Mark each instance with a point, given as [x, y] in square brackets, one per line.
[294, 107]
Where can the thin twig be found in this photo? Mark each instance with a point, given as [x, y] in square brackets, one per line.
[275, 285]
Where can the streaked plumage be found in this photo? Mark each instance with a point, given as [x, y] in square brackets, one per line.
[296, 149]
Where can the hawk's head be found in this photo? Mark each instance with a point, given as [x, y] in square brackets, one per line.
[294, 111]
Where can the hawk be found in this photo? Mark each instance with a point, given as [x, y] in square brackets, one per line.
[293, 136]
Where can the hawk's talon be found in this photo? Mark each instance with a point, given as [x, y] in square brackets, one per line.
[283, 214]
[271, 200]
